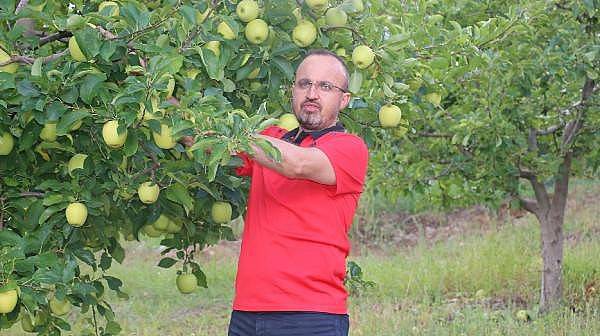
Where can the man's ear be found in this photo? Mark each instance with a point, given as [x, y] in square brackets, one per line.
[345, 100]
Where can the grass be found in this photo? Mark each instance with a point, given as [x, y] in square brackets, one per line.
[429, 289]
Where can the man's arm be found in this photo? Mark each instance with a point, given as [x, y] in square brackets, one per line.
[297, 162]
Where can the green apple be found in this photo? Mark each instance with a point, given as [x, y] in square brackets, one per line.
[304, 34]
[10, 68]
[113, 8]
[148, 192]
[162, 223]
[318, 5]
[6, 143]
[341, 52]
[76, 214]
[164, 139]
[221, 212]
[76, 162]
[288, 121]
[59, 307]
[186, 283]
[75, 21]
[390, 115]
[434, 98]
[336, 17]
[174, 227]
[247, 10]
[26, 323]
[225, 31]
[257, 31]
[214, 46]
[110, 135]
[297, 14]
[75, 51]
[8, 301]
[358, 6]
[362, 56]
[48, 133]
[151, 231]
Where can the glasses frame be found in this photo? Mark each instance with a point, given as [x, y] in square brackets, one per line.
[311, 83]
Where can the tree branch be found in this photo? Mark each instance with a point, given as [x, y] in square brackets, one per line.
[550, 130]
[30, 60]
[561, 186]
[532, 145]
[354, 32]
[434, 135]
[529, 204]
[573, 126]
[54, 37]
[21, 5]
[32, 194]
[541, 195]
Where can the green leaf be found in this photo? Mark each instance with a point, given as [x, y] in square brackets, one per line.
[36, 68]
[180, 195]
[7, 81]
[68, 119]
[51, 211]
[131, 144]
[283, 65]
[355, 81]
[85, 256]
[89, 86]
[89, 41]
[117, 251]
[167, 262]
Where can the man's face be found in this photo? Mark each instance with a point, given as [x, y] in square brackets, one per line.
[315, 107]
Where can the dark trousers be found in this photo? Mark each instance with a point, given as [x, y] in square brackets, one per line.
[287, 324]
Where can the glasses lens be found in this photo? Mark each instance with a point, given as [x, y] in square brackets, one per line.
[325, 86]
[303, 84]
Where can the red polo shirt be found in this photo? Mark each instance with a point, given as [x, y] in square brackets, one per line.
[295, 239]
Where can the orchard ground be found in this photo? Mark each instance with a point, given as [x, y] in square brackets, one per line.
[428, 270]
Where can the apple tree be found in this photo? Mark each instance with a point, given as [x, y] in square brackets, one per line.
[95, 97]
[500, 95]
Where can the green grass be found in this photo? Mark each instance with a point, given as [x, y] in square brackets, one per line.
[424, 290]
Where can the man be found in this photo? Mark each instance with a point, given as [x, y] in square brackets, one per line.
[291, 270]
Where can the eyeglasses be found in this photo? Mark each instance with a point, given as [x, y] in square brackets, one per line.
[323, 86]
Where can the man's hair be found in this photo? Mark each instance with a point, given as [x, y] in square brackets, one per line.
[325, 52]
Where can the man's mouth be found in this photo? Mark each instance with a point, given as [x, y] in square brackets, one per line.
[311, 107]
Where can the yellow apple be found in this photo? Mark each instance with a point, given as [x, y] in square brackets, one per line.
[336, 17]
[186, 283]
[341, 52]
[113, 8]
[148, 192]
[75, 51]
[288, 121]
[8, 301]
[362, 56]
[173, 226]
[317, 5]
[434, 98]
[10, 68]
[48, 133]
[304, 34]
[358, 5]
[225, 31]
[221, 212]
[164, 139]
[151, 231]
[257, 31]
[76, 162]
[162, 223]
[110, 135]
[6, 143]
[59, 307]
[76, 214]
[214, 46]
[390, 115]
[247, 10]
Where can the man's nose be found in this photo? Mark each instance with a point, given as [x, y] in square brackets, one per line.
[312, 91]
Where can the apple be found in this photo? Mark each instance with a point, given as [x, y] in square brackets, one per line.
[75, 51]
[214, 46]
[297, 14]
[10, 68]
[336, 17]
[26, 323]
[390, 115]
[257, 31]
[148, 192]
[8, 301]
[434, 98]
[186, 283]
[113, 8]
[110, 135]
[48, 133]
[304, 34]
[318, 5]
[75, 21]
[174, 227]
[221, 212]
[341, 52]
[6, 143]
[523, 315]
[225, 31]
[288, 121]
[358, 6]
[76, 214]
[363, 56]
[162, 223]
[76, 162]
[60, 307]
[151, 231]
[164, 139]
[247, 10]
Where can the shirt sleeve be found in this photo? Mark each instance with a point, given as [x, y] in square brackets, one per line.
[246, 168]
[348, 155]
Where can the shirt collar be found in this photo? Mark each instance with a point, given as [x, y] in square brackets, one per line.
[295, 138]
